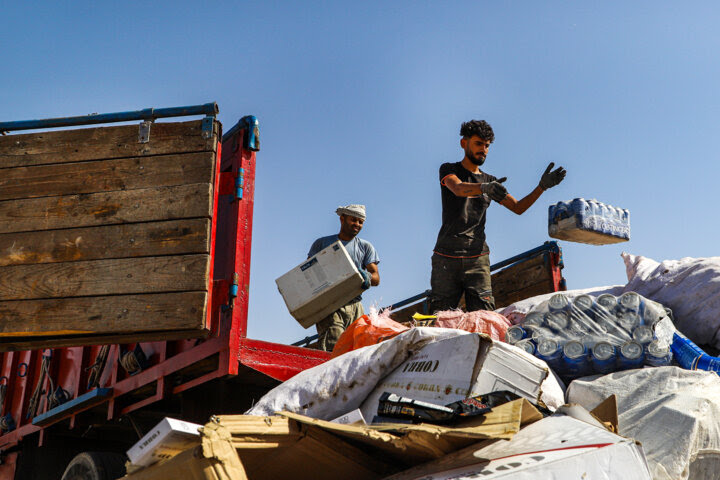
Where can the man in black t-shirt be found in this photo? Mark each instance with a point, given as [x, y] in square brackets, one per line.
[460, 262]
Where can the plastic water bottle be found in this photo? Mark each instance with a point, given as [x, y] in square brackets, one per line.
[629, 302]
[632, 355]
[575, 359]
[538, 333]
[628, 320]
[658, 355]
[603, 357]
[549, 350]
[557, 321]
[685, 351]
[608, 301]
[652, 313]
[534, 319]
[528, 345]
[514, 334]
[557, 303]
[584, 304]
[643, 334]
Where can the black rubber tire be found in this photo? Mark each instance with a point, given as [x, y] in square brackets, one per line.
[95, 466]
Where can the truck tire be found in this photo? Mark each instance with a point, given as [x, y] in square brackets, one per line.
[95, 466]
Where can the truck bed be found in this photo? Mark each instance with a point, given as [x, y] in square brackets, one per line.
[92, 371]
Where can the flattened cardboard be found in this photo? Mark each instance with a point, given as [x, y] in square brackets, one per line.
[212, 458]
[299, 447]
[555, 447]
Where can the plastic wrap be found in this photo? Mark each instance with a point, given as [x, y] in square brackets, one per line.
[585, 335]
[588, 221]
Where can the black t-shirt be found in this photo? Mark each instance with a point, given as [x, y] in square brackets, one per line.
[463, 218]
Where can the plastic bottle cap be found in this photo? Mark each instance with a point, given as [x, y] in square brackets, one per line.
[583, 302]
[603, 351]
[558, 301]
[607, 300]
[547, 346]
[631, 350]
[629, 300]
[574, 349]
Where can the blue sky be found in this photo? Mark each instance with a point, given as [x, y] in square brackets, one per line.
[360, 102]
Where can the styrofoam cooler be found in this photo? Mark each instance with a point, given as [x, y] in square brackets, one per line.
[320, 285]
[588, 221]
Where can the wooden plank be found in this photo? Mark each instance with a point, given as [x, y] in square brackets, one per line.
[64, 146]
[105, 277]
[22, 343]
[107, 315]
[106, 175]
[109, 208]
[531, 291]
[519, 276]
[173, 237]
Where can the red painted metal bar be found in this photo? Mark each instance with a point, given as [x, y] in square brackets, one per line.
[280, 362]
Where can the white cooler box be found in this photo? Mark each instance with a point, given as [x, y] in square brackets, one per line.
[320, 285]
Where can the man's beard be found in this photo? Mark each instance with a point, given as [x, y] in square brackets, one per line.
[474, 160]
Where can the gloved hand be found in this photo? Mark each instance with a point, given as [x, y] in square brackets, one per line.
[495, 190]
[550, 179]
[366, 279]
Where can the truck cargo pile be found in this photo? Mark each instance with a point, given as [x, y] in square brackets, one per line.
[126, 268]
[441, 403]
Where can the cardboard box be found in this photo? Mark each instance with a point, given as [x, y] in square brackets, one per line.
[555, 447]
[240, 447]
[320, 285]
[460, 367]
[163, 441]
[351, 418]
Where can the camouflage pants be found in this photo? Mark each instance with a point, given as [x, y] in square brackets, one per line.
[451, 277]
[331, 327]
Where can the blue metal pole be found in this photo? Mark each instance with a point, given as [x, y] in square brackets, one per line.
[147, 114]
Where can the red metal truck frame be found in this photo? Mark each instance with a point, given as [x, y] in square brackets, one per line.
[230, 253]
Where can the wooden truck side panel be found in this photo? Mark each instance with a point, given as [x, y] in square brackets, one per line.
[94, 246]
[173, 368]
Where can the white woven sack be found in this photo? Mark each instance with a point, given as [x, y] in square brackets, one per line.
[689, 286]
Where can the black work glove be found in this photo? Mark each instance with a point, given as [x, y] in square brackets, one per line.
[495, 190]
[366, 279]
[550, 179]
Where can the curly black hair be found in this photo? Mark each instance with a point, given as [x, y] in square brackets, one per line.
[481, 128]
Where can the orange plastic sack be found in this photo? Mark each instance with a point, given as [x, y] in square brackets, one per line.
[367, 330]
[480, 321]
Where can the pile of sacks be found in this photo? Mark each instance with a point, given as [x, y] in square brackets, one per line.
[668, 410]
[455, 401]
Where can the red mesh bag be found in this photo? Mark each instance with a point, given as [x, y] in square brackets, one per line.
[481, 321]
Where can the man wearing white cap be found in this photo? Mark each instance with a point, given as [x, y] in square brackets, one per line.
[366, 260]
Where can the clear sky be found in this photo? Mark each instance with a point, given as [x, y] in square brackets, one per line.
[360, 102]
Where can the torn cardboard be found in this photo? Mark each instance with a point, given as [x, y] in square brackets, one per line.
[555, 447]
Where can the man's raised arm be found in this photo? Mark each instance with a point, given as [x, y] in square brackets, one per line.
[549, 179]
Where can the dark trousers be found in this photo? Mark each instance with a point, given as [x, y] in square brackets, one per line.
[331, 327]
[451, 277]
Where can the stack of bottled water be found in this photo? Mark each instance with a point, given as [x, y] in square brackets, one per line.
[589, 335]
[588, 221]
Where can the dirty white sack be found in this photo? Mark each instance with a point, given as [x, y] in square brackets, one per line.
[689, 286]
[341, 384]
[673, 412]
[517, 311]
